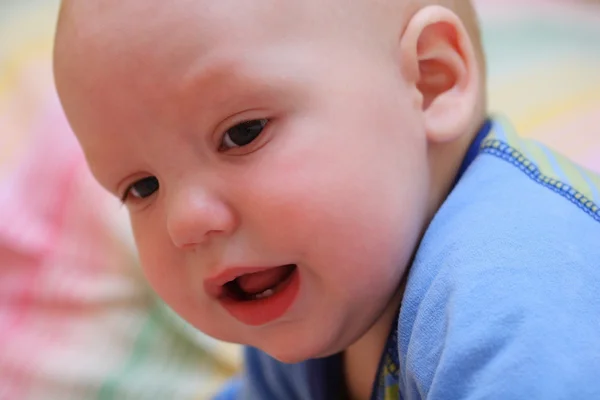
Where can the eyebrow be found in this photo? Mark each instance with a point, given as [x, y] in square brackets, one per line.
[209, 74]
[222, 77]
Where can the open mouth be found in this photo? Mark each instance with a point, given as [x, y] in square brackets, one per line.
[259, 285]
[256, 296]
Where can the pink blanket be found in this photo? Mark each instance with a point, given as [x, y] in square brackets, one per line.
[77, 320]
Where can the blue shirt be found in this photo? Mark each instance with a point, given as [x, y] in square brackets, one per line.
[502, 300]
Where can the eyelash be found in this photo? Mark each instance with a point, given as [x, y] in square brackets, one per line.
[248, 124]
[262, 123]
[149, 179]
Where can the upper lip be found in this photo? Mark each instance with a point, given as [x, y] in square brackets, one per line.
[214, 284]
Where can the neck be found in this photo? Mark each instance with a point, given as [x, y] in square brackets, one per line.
[362, 358]
[446, 159]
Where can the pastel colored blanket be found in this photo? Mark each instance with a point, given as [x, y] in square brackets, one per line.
[77, 320]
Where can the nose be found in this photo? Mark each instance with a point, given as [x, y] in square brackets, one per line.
[194, 217]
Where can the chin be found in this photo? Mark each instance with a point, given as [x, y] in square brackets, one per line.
[293, 356]
[298, 349]
[289, 357]
[288, 353]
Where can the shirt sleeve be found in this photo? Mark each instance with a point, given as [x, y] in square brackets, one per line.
[231, 390]
[265, 378]
[502, 300]
[261, 379]
[524, 328]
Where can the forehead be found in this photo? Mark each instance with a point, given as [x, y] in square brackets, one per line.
[161, 32]
[143, 23]
[121, 63]
[138, 42]
[150, 45]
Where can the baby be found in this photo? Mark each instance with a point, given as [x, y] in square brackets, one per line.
[319, 180]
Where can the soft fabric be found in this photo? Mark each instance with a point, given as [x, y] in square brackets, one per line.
[502, 298]
[501, 301]
[76, 317]
[543, 60]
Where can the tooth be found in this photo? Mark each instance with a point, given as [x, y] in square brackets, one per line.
[266, 293]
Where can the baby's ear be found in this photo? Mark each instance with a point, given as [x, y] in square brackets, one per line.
[438, 60]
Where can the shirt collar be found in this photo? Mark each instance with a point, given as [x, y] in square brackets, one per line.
[474, 148]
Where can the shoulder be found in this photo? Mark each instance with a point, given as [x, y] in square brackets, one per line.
[519, 209]
[544, 167]
[519, 202]
[266, 378]
[503, 284]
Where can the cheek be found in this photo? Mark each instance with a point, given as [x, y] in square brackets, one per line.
[158, 260]
[177, 280]
[162, 265]
[351, 225]
[343, 198]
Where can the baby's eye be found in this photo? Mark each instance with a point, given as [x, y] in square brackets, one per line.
[142, 188]
[243, 134]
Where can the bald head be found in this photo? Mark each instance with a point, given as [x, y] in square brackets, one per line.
[217, 120]
[138, 35]
[156, 34]
[91, 18]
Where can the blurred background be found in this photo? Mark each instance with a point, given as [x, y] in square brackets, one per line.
[77, 320]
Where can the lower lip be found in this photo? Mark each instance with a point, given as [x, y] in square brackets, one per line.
[262, 311]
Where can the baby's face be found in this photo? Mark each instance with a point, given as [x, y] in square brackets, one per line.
[272, 160]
